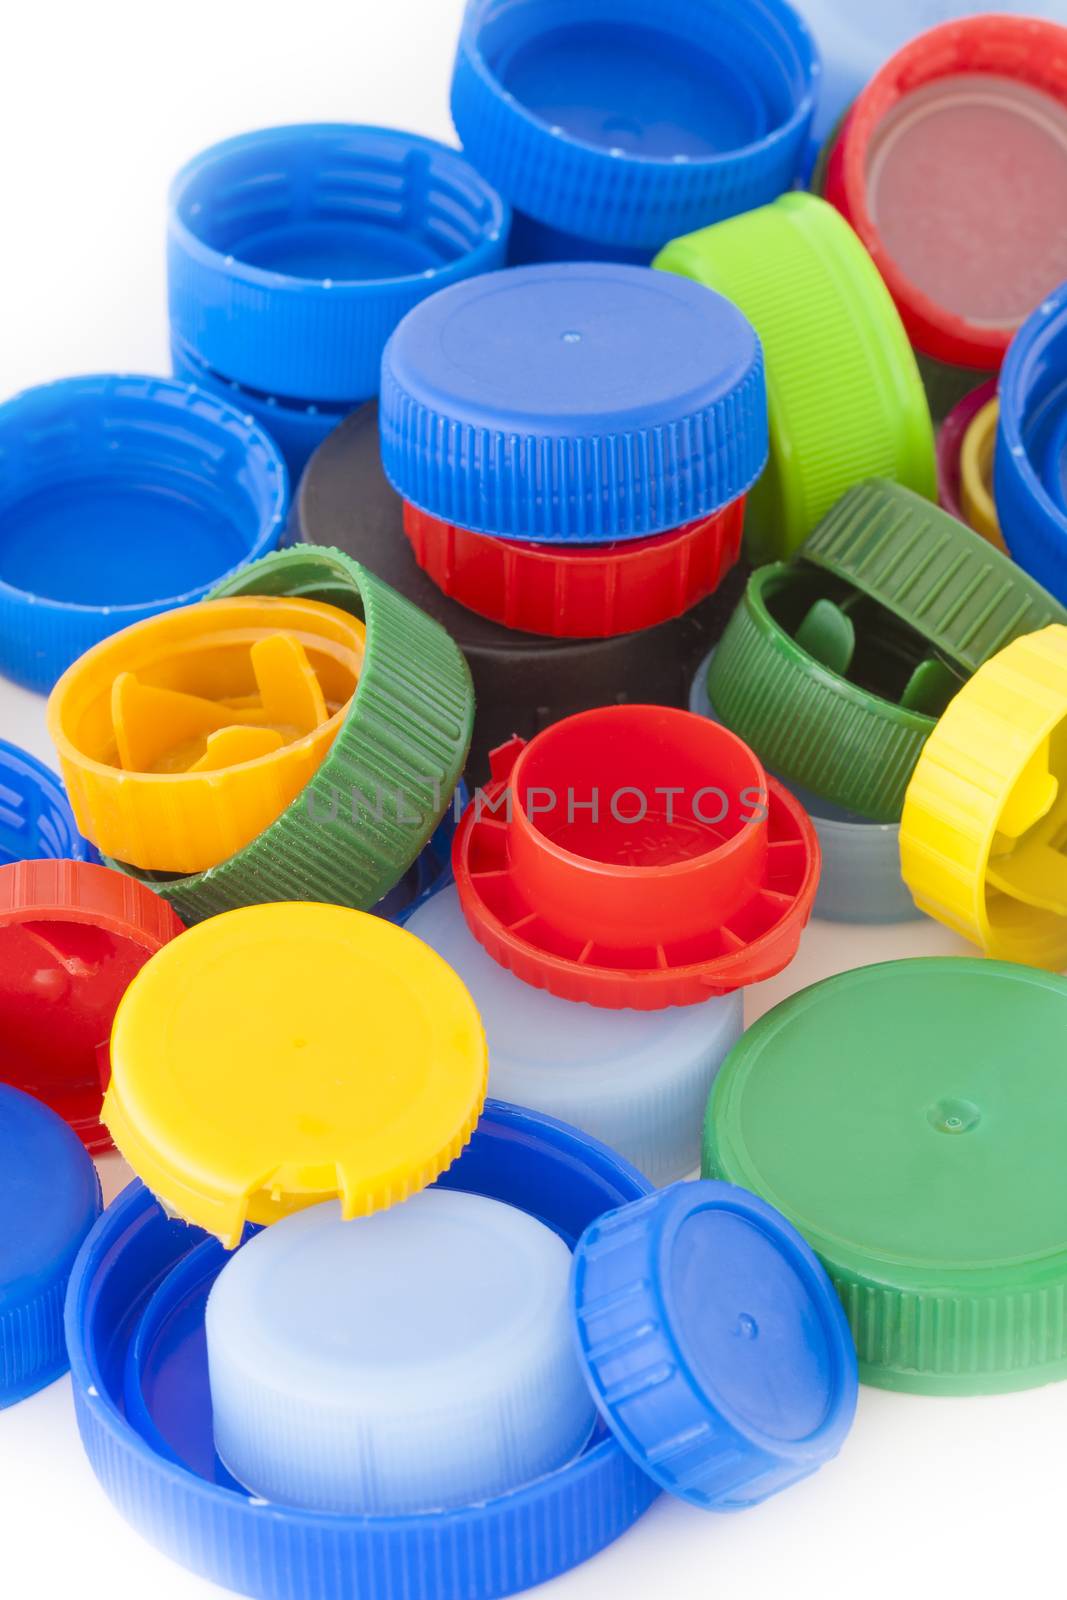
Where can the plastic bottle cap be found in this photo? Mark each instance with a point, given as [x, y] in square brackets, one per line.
[965, 248]
[241, 1092]
[954, 1279]
[292, 253]
[35, 817]
[122, 497]
[636, 857]
[386, 781]
[432, 868]
[986, 809]
[521, 682]
[809, 288]
[49, 1199]
[418, 1360]
[297, 427]
[837, 665]
[72, 936]
[573, 404]
[594, 591]
[715, 1346]
[638, 1081]
[184, 737]
[950, 437]
[859, 878]
[1030, 471]
[976, 474]
[629, 127]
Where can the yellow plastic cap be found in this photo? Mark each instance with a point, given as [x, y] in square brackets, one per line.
[976, 474]
[181, 738]
[286, 1054]
[985, 815]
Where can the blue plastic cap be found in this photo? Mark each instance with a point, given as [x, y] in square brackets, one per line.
[122, 497]
[573, 404]
[630, 124]
[49, 1200]
[1030, 465]
[36, 822]
[294, 252]
[715, 1345]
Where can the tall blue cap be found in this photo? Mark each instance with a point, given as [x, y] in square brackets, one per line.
[36, 822]
[292, 253]
[49, 1200]
[630, 124]
[573, 403]
[1030, 465]
[717, 1350]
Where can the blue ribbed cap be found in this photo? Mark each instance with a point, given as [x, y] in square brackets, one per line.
[715, 1344]
[1030, 470]
[293, 252]
[120, 497]
[36, 822]
[630, 124]
[573, 403]
[49, 1199]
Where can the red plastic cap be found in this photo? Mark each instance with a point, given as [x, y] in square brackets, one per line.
[636, 856]
[952, 167]
[72, 937]
[950, 439]
[585, 592]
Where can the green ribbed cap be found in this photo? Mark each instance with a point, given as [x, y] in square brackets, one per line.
[388, 777]
[910, 1119]
[844, 394]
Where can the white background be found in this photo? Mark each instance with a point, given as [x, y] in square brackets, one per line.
[99, 103]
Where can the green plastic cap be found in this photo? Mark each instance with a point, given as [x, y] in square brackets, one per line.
[390, 774]
[911, 1120]
[844, 394]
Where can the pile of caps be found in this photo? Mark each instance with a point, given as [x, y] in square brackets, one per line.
[619, 499]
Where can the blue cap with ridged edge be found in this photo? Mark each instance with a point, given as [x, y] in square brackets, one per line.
[714, 1342]
[36, 822]
[573, 403]
[1030, 463]
[293, 252]
[49, 1200]
[629, 124]
[122, 496]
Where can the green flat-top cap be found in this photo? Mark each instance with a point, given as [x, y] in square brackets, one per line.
[911, 1120]
[844, 395]
[388, 777]
[835, 666]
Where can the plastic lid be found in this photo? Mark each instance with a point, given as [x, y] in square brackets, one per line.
[953, 1281]
[122, 497]
[35, 818]
[283, 1054]
[950, 437]
[965, 248]
[185, 736]
[986, 810]
[837, 665]
[976, 474]
[594, 591]
[521, 682]
[378, 794]
[292, 253]
[820, 308]
[637, 1080]
[716, 1348]
[72, 936]
[49, 1199]
[636, 857]
[1030, 471]
[417, 1360]
[630, 127]
[573, 404]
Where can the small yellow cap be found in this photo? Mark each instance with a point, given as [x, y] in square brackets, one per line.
[985, 815]
[976, 474]
[286, 1054]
